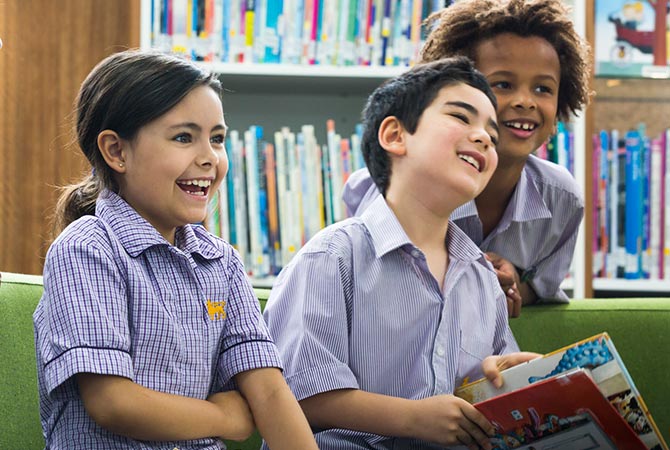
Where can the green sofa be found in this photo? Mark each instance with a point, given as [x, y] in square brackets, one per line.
[640, 328]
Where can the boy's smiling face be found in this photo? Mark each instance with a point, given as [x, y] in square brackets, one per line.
[525, 74]
[451, 154]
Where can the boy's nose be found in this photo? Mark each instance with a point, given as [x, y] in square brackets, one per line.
[525, 101]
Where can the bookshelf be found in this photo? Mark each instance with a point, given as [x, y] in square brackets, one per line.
[621, 103]
[278, 95]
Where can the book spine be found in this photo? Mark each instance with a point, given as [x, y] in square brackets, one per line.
[645, 179]
[655, 222]
[633, 205]
[595, 242]
[613, 204]
[666, 215]
[273, 33]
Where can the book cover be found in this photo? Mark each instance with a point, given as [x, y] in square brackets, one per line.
[596, 353]
[563, 412]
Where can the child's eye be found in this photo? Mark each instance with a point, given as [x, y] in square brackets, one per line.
[218, 139]
[545, 89]
[461, 117]
[184, 138]
[501, 85]
[494, 140]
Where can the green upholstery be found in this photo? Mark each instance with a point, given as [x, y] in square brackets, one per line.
[639, 327]
[19, 407]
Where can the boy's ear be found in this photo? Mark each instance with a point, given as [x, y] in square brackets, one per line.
[392, 136]
[112, 148]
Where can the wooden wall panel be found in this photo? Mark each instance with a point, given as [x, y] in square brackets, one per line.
[49, 48]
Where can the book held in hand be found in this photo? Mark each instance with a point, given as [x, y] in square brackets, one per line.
[600, 362]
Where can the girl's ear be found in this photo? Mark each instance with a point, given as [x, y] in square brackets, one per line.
[391, 136]
[112, 148]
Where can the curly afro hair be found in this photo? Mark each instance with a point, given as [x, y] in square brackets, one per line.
[458, 29]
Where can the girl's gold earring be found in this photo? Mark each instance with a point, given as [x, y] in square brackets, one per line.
[121, 164]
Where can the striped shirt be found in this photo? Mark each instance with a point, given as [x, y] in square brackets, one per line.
[538, 230]
[120, 300]
[358, 308]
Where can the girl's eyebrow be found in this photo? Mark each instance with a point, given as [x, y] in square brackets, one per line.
[196, 127]
[472, 110]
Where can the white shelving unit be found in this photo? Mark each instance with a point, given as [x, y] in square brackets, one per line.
[646, 286]
[274, 95]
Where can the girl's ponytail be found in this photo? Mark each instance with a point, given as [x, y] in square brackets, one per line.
[75, 201]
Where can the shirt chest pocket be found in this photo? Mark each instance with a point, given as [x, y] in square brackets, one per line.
[472, 352]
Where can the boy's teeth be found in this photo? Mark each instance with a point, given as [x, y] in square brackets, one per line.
[521, 126]
[471, 160]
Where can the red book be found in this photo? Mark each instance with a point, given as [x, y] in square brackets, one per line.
[566, 411]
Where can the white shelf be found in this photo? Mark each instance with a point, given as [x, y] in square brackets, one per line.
[292, 70]
[264, 283]
[646, 286]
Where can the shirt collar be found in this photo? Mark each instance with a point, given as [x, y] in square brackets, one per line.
[387, 234]
[137, 235]
[525, 205]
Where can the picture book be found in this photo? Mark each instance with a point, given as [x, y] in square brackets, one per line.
[565, 412]
[600, 357]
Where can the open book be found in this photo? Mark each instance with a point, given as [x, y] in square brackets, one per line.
[600, 362]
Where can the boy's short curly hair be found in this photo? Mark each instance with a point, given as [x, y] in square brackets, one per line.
[459, 28]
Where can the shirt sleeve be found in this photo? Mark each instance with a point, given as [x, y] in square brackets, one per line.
[247, 343]
[84, 321]
[552, 270]
[308, 316]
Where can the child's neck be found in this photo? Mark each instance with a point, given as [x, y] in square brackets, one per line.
[427, 230]
[492, 202]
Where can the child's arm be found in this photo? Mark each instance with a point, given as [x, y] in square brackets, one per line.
[493, 365]
[443, 419]
[278, 416]
[132, 410]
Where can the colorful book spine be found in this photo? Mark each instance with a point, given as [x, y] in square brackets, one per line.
[634, 207]
[273, 32]
[655, 222]
[666, 214]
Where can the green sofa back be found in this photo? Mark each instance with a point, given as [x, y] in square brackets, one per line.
[639, 327]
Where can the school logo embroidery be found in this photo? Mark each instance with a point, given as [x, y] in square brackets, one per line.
[216, 310]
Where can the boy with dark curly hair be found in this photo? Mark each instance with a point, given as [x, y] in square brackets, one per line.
[528, 216]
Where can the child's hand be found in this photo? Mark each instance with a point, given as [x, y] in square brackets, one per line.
[493, 365]
[509, 282]
[239, 422]
[449, 420]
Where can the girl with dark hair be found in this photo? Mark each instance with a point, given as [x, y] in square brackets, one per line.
[148, 334]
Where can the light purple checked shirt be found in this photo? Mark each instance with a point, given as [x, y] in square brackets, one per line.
[358, 308]
[537, 232]
[120, 300]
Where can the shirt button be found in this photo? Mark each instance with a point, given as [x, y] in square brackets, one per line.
[440, 350]
[416, 253]
[176, 448]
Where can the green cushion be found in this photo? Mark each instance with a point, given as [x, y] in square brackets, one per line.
[640, 329]
[20, 424]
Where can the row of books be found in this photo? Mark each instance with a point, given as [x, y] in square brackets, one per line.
[283, 187]
[280, 190]
[560, 148]
[631, 184]
[327, 32]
